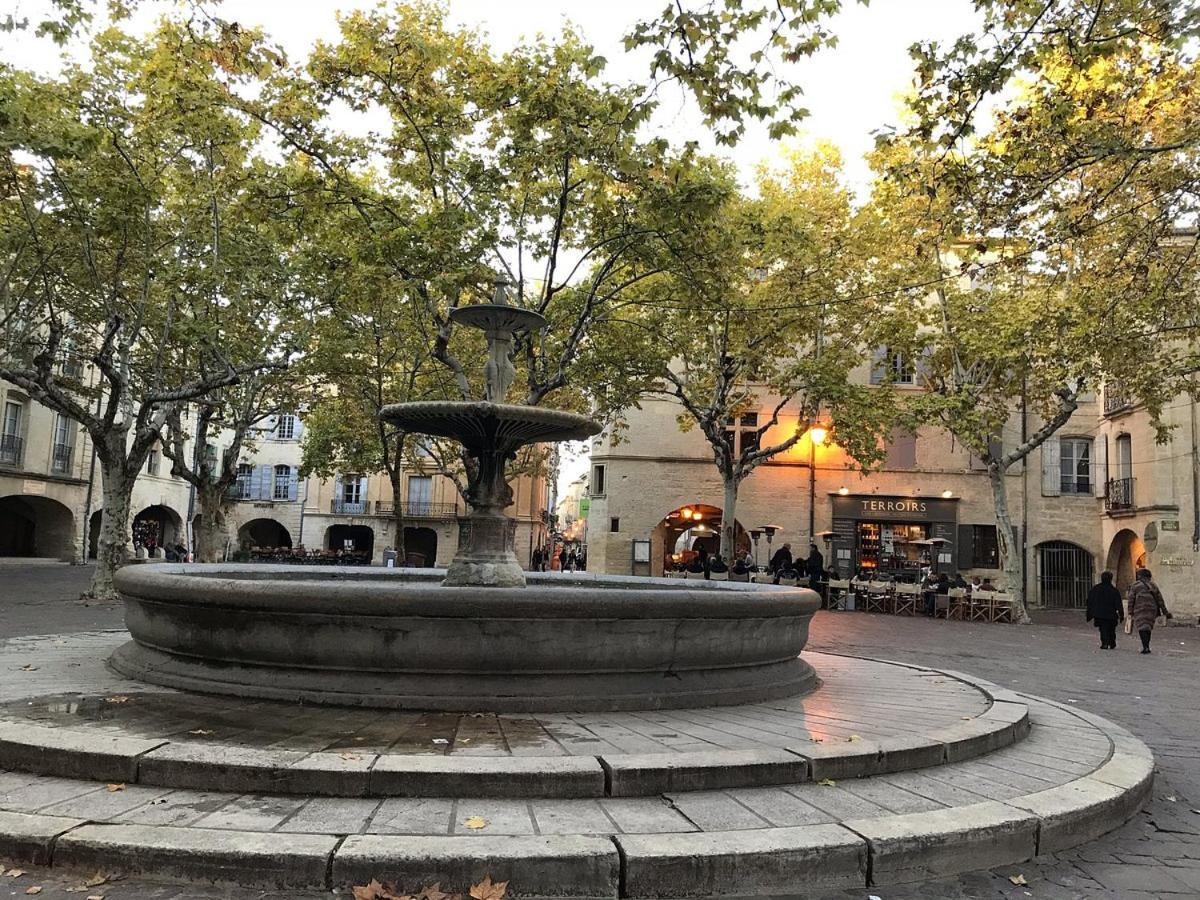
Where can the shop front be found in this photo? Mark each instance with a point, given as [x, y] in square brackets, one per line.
[896, 536]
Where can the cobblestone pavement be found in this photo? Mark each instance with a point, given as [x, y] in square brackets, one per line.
[1155, 855]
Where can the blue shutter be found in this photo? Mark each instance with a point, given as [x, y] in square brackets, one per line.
[338, 494]
[261, 485]
[879, 360]
[293, 479]
[363, 503]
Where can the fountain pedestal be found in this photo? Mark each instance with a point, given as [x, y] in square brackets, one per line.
[485, 553]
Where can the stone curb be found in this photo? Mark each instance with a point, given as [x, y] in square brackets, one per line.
[941, 842]
[760, 862]
[770, 862]
[246, 859]
[486, 776]
[639, 775]
[71, 754]
[542, 866]
[29, 838]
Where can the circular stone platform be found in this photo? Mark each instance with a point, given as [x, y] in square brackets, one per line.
[868, 717]
[399, 638]
[1072, 777]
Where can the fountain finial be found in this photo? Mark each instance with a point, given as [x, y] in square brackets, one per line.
[502, 285]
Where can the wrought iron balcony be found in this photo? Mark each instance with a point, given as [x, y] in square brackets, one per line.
[349, 507]
[12, 449]
[61, 460]
[1118, 494]
[418, 510]
[1115, 398]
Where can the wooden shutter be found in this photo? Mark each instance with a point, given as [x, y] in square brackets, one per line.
[293, 481]
[1100, 464]
[879, 361]
[1051, 468]
[363, 503]
[966, 546]
[337, 492]
[297, 427]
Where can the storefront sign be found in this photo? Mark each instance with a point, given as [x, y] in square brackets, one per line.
[895, 509]
[1170, 524]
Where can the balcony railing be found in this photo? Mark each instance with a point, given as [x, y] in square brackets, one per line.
[1118, 494]
[12, 449]
[61, 460]
[418, 510]
[1115, 399]
[349, 507]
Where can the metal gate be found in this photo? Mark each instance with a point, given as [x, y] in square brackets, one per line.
[1065, 573]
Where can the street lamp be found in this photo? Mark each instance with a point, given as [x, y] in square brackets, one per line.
[816, 435]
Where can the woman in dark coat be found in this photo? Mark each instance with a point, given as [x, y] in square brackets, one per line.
[1104, 609]
[1145, 605]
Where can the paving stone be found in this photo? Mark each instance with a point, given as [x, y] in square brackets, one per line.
[199, 854]
[331, 815]
[645, 815]
[932, 844]
[252, 813]
[840, 759]
[779, 808]
[412, 816]
[715, 811]
[29, 838]
[435, 776]
[571, 817]
[631, 775]
[175, 808]
[345, 774]
[534, 866]
[771, 862]
[105, 804]
[899, 754]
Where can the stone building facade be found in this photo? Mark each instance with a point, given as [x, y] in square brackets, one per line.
[50, 496]
[657, 492]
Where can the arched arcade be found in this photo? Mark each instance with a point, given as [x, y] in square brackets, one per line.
[36, 527]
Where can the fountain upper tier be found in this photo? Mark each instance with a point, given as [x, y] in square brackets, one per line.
[490, 427]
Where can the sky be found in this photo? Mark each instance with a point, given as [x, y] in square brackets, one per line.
[851, 90]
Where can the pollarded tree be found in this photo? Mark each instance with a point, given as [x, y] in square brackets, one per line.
[767, 302]
[95, 161]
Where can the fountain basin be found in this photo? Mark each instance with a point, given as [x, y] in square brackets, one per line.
[485, 426]
[401, 639]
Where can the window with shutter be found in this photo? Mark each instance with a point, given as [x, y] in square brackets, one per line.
[1076, 465]
[280, 483]
[1051, 468]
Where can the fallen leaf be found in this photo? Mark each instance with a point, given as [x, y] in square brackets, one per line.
[372, 891]
[157, 800]
[441, 741]
[98, 879]
[113, 788]
[34, 889]
[475, 822]
[95, 897]
[489, 890]
[1018, 879]
[965, 718]
[828, 782]
[116, 698]
[349, 756]
[1171, 800]
[854, 737]
[433, 892]
[15, 873]
[29, 668]
[200, 731]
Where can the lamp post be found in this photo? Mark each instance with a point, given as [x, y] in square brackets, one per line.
[816, 435]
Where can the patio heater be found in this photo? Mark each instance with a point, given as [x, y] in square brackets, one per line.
[769, 531]
[755, 534]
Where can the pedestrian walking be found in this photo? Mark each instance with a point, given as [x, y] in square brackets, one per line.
[536, 561]
[1104, 609]
[1145, 606]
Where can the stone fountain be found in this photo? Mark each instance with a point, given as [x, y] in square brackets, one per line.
[477, 636]
[492, 431]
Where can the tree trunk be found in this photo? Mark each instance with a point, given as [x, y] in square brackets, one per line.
[728, 522]
[398, 516]
[112, 547]
[212, 532]
[1009, 560]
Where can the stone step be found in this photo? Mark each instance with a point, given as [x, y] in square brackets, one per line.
[870, 717]
[1002, 808]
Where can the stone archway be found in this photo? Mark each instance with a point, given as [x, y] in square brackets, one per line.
[687, 529]
[158, 526]
[264, 533]
[36, 527]
[356, 539]
[1126, 554]
[420, 547]
[1065, 573]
